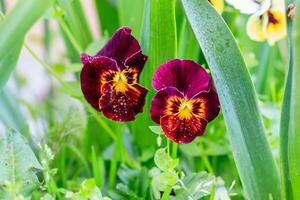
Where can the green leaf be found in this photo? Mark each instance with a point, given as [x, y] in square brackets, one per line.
[285, 117]
[9, 61]
[187, 46]
[294, 126]
[10, 113]
[156, 129]
[13, 29]
[164, 180]
[18, 166]
[131, 14]
[163, 161]
[195, 186]
[87, 191]
[107, 8]
[250, 148]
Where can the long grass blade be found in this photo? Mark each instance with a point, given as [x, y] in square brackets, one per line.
[131, 14]
[250, 148]
[12, 31]
[294, 127]
[285, 117]
[162, 41]
[10, 113]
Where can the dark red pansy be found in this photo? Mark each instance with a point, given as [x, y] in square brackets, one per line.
[109, 80]
[186, 100]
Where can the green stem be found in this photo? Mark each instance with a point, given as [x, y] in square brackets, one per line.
[47, 39]
[174, 150]
[206, 161]
[167, 193]
[100, 120]
[113, 167]
[121, 146]
[168, 146]
[68, 32]
[46, 66]
[207, 164]
[213, 189]
[70, 35]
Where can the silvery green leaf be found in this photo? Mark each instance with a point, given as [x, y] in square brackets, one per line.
[163, 161]
[18, 166]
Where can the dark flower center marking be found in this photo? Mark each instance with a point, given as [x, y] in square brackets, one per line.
[185, 108]
[121, 79]
[272, 18]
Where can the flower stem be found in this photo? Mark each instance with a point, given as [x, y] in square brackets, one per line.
[206, 160]
[207, 164]
[113, 168]
[68, 32]
[174, 150]
[168, 146]
[167, 193]
[70, 35]
[121, 146]
[118, 149]
[46, 66]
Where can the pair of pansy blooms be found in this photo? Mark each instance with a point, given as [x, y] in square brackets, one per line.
[186, 99]
[267, 21]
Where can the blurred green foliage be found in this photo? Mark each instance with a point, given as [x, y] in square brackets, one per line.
[83, 154]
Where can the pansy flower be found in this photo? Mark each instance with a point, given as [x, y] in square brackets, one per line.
[109, 80]
[186, 100]
[267, 21]
[269, 25]
[218, 4]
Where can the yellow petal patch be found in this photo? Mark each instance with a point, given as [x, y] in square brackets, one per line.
[256, 28]
[276, 27]
[218, 4]
[120, 82]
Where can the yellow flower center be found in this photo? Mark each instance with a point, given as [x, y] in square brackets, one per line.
[120, 82]
[185, 109]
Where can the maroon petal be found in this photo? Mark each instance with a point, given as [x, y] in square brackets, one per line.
[119, 106]
[121, 46]
[206, 104]
[182, 130]
[94, 68]
[160, 101]
[185, 75]
[136, 61]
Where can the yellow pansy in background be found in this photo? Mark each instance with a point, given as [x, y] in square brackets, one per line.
[270, 25]
[218, 4]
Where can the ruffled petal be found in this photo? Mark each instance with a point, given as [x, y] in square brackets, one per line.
[121, 46]
[185, 75]
[119, 106]
[136, 61]
[94, 68]
[206, 105]
[256, 28]
[182, 130]
[160, 100]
